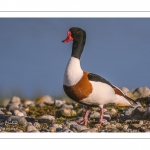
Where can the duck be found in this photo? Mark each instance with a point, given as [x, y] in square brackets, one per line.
[85, 87]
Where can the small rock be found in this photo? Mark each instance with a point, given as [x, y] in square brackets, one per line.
[15, 100]
[112, 113]
[136, 117]
[36, 125]
[125, 127]
[147, 114]
[66, 130]
[12, 106]
[79, 128]
[18, 113]
[27, 102]
[59, 103]
[8, 113]
[107, 117]
[52, 129]
[141, 122]
[69, 123]
[30, 128]
[45, 100]
[46, 119]
[94, 115]
[22, 121]
[30, 119]
[67, 106]
[135, 126]
[141, 92]
[67, 112]
[90, 130]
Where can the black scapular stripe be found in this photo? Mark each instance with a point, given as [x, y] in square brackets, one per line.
[97, 78]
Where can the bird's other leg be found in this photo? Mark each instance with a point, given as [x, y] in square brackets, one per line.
[85, 119]
[101, 115]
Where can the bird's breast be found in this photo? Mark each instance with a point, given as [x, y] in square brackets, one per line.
[82, 89]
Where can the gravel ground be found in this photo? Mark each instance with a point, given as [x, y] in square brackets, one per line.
[59, 115]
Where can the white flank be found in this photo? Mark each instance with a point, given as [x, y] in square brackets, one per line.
[73, 72]
[103, 94]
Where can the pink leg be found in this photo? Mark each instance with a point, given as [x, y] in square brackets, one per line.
[102, 115]
[85, 119]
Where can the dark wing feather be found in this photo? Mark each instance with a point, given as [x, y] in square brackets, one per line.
[97, 78]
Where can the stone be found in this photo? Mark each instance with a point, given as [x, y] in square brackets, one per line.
[22, 121]
[66, 130]
[141, 122]
[15, 100]
[66, 106]
[18, 113]
[12, 106]
[66, 112]
[52, 129]
[107, 117]
[8, 113]
[46, 119]
[59, 103]
[94, 115]
[69, 123]
[36, 125]
[45, 100]
[112, 112]
[79, 128]
[142, 92]
[125, 127]
[27, 102]
[135, 126]
[147, 114]
[139, 111]
[30, 128]
[90, 130]
[136, 117]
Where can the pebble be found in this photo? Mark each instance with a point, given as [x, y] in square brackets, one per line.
[27, 102]
[147, 114]
[36, 125]
[59, 103]
[135, 126]
[66, 106]
[18, 113]
[15, 100]
[94, 115]
[90, 130]
[8, 113]
[12, 106]
[45, 100]
[66, 130]
[142, 92]
[46, 119]
[67, 112]
[125, 127]
[78, 128]
[30, 128]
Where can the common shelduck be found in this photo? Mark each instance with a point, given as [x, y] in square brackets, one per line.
[85, 87]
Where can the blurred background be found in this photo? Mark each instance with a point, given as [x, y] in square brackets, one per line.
[33, 58]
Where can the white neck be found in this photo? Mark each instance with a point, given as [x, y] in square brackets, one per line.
[73, 72]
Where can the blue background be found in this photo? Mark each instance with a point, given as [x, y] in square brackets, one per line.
[33, 58]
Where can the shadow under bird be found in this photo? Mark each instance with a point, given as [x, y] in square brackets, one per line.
[85, 87]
